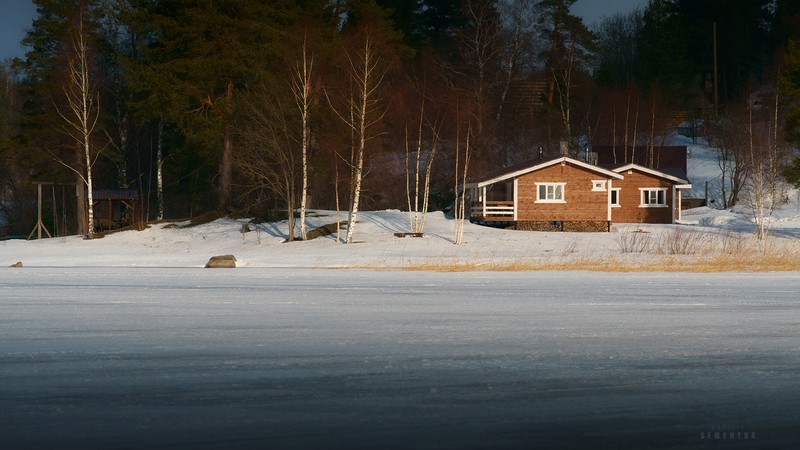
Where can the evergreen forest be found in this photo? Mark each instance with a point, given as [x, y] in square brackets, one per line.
[268, 108]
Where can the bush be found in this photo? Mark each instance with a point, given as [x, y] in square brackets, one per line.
[681, 241]
[633, 241]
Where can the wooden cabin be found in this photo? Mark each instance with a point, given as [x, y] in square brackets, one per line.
[571, 195]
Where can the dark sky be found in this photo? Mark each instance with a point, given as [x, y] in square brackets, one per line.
[16, 17]
[592, 11]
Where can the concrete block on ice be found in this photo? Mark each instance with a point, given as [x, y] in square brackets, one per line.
[222, 262]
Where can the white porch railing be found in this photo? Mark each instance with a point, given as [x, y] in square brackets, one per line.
[493, 209]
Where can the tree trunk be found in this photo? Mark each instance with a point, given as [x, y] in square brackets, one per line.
[301, 88]
[89, 193]
[304, 189]
[290, 193]
[462, 196]
[358, 172]
[226, 161]
[80, 205]
[225, 170]
[427, 187]
[160, 168]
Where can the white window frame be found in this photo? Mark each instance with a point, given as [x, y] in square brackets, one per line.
[598, 185]
[614, 191]
[645, 195]
[554, 187]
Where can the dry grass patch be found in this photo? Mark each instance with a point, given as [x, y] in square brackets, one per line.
[677, 249]
[674, 263]
[717, 264]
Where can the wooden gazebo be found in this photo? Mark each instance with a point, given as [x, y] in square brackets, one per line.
[114, 208]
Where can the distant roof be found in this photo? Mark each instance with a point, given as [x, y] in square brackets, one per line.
[664, 156]
[114, 194]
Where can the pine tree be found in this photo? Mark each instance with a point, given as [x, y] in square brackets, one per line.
[789, 88]
[569, 47]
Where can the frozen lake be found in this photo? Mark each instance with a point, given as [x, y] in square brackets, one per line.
[296, 358]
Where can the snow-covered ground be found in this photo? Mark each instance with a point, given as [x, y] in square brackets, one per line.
[183, 358]
[702, 167]
[179, 245]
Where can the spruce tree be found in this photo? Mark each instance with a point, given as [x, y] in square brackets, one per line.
[196, 59]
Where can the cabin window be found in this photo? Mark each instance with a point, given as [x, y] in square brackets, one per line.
[550, 192]
[615, 197]
[653, 197]
[598, 185]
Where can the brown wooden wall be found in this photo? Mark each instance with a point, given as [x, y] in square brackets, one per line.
[630, 199]
[581, 202]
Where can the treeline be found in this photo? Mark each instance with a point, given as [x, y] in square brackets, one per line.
[253, 107]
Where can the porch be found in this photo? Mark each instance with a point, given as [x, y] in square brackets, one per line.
[494, 202]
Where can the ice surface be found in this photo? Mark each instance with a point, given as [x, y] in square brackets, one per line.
[320, 358]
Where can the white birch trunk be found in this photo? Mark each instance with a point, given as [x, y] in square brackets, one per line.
[626, 132]
[456, 209]
[302, 93]
[160, 169]
[757, 194]
[460, 208]
[338, 207]
[408, 188]
[415, 228]
[359, 166]
[427, 187]
[635, 128]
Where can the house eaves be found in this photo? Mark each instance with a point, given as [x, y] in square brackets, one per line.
[525, 168]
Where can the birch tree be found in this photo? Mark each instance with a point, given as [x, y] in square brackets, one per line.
[766, 155]
[757, 181]
[518, 41]
[480, 44]
[82, 112]
[427, 130]
[417, 193]
[562, 80]
[460, 208]
[368, 77]
[303, 72]
[366, 66]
